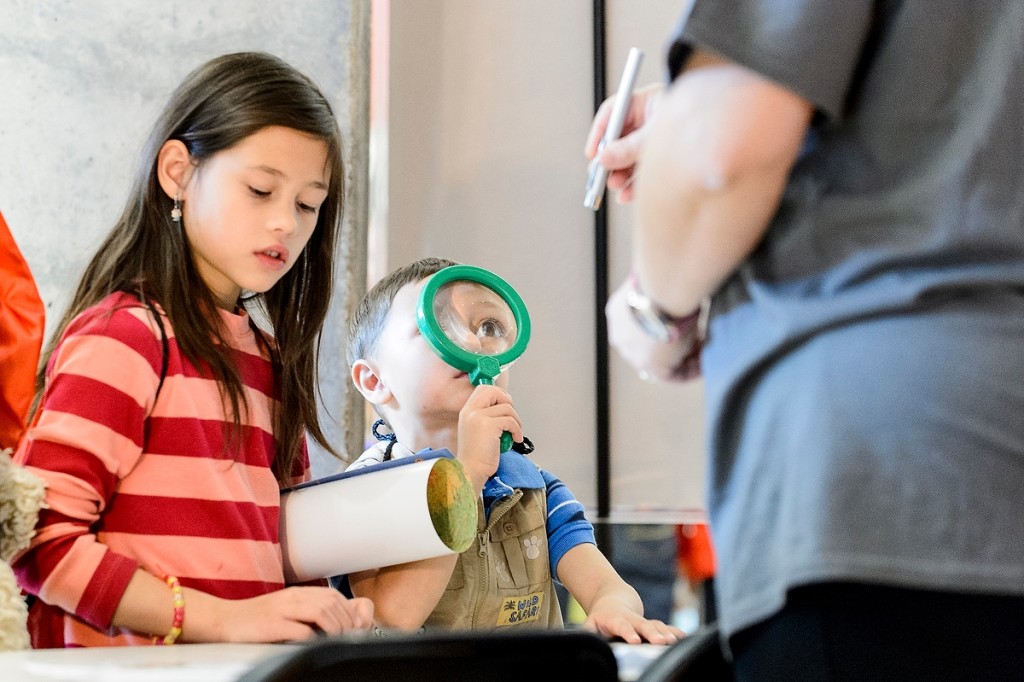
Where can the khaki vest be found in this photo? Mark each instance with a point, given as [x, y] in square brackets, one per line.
[504, 579]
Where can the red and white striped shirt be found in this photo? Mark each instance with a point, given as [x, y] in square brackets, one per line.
[165, 492]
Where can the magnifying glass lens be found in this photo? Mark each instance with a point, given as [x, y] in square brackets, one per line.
[475, 317]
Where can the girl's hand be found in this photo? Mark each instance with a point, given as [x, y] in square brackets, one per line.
[485, 416]
[294, 613]
[620, 156]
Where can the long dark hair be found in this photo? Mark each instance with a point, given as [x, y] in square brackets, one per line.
[217, 106]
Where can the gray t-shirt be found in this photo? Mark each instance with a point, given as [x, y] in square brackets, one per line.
[865, 368]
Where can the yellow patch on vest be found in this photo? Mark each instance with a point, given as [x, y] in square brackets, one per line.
[517, 610]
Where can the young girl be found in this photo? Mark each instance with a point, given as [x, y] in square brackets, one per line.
[166, 420]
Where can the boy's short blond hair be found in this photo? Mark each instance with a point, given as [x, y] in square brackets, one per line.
[368, 321]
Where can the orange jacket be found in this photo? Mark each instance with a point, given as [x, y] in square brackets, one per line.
[696, 555]
[21, 336]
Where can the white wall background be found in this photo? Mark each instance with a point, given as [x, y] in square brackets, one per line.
[81, 83]
[490, 103]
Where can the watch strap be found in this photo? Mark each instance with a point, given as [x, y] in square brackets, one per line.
[662, 326]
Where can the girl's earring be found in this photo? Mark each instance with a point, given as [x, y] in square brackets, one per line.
[176, 211]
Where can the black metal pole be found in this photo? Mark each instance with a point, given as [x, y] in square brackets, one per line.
[601, 374]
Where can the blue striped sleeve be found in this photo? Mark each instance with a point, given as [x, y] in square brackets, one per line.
[567, 526]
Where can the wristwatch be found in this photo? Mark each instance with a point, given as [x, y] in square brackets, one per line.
[656, 323]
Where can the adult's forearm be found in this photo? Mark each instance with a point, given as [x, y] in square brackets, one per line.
[713, 169]
[690, 239]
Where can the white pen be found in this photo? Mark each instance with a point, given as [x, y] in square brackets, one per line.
[599, 174]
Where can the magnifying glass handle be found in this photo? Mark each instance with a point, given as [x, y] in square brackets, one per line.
[484, 374]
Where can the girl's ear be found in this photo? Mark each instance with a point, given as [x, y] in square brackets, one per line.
[173, 168]
[367, 380]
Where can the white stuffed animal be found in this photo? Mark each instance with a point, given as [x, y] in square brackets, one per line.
[21, 498]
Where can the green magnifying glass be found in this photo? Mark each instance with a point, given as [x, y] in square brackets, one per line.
[476, 322]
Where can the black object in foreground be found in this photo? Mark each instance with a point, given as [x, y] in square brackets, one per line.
[449, 656]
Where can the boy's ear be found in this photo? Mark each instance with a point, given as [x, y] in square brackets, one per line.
[368, 382]
[173, 168]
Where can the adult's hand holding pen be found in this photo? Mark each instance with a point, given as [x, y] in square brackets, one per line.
[620, 156]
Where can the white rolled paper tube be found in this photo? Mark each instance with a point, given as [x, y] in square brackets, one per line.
[377, 518]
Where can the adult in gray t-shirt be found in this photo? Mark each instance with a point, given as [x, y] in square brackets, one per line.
[864, 364]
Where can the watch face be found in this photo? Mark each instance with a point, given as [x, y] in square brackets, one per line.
[647, 317]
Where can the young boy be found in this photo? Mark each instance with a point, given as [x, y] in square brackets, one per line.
[530, 530]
